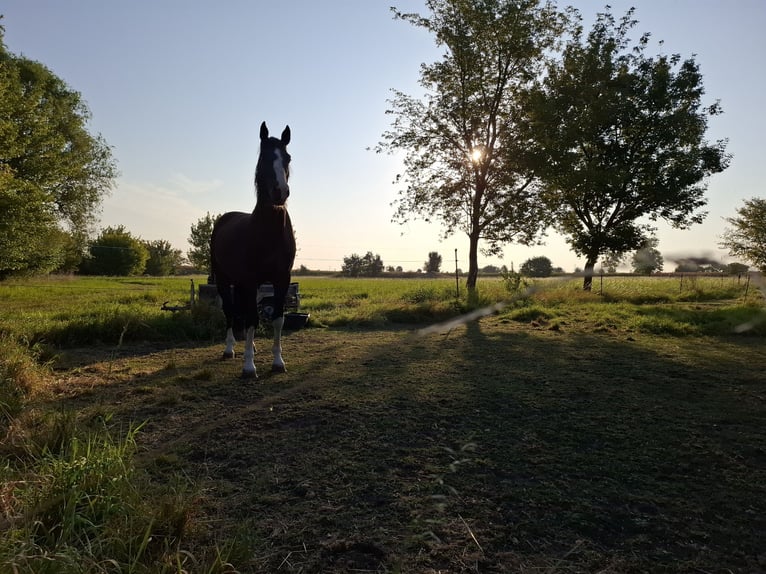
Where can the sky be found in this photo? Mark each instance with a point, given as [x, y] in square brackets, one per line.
[178, 89]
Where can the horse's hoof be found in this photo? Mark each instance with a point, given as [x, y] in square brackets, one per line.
[278, 369]
[227, 355]
[249, 375]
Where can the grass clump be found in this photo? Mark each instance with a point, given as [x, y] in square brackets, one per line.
[79, 505]
[21, 376]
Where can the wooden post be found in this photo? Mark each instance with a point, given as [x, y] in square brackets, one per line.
[457, 279]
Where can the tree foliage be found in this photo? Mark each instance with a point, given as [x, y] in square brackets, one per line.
[747, 236]
[53, 172]
[736, 268]
[621, 142]
[116, 252]
[199, 239]
[163, 258]
[464, 163]
[611, 261]
[367, 266]
[537, 267]
[647, 259]
[434, 262]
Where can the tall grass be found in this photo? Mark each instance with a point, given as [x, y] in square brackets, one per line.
[85, 310]
[71, 498]
[21, 376]
[674, 306]
[77, 505]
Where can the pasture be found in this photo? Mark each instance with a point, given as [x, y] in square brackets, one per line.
[568, 432]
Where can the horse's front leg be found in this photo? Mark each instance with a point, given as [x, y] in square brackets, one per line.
[228, 352]
[248, 367]
[278, 366]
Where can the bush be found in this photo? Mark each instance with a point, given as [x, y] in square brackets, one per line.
[116, 252]
[537, 267]
[163, 259]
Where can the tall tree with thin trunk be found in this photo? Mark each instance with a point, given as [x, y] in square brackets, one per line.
[463, 161]
[620, 139]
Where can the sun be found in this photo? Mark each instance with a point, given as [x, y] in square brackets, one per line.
[477, 154]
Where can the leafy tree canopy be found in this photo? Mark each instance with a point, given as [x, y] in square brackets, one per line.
[367, 266]
[163, 258]
[464, 163]
[736, 268]
[621, 142]
[53, 172]
[647, 259]
[746, 238]
[199, 239]
[434, 262]
[116, 252]
[537, 267]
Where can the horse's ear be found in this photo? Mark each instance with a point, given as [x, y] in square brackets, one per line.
[264, 131]
[286, 135]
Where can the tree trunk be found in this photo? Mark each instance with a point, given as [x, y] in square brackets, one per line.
[590, 264]
[473, 263]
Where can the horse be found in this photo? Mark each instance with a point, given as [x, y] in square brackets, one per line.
[250, 249]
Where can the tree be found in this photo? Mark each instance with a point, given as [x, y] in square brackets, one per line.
[53, 172]
[368, 266]
[620, 139]
[611, 261]
[434, 263]
[163, 259]
[747, 236]
[464, 162]
[537, 267]
[199, 254]
[116, 252]
[736, 268]
[647, 259]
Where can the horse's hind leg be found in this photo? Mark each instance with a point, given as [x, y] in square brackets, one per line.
[278, 366]
[248, 367]
[224, 291]
[228, 352]
[280, 292]
[248, 302]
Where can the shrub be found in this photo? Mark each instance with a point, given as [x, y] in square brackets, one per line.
[116, 252]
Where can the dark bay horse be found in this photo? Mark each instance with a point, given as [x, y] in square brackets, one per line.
[250, 249]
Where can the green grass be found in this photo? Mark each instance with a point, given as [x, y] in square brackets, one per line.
[571, 432]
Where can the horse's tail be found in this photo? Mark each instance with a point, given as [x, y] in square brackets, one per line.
[211, 280]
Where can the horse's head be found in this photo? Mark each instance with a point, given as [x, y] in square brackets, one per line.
[273, 169]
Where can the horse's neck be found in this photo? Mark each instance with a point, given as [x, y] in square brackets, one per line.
[270, 215]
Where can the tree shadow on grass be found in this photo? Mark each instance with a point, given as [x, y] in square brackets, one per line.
[494, 447]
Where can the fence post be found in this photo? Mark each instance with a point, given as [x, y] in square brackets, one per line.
[457, 279]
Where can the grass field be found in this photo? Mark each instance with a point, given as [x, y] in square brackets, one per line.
[568, 432]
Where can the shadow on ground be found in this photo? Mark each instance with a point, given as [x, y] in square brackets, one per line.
[495, 447]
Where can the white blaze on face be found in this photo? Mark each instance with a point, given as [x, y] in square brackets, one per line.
[279, 171]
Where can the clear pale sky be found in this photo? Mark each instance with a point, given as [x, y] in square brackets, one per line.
[178, 88]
